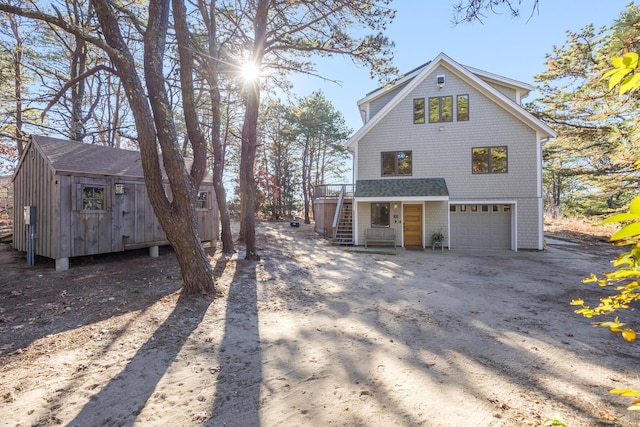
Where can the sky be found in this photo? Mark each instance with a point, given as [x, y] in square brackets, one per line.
[513, 48]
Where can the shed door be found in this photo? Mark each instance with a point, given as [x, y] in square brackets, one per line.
[124, 217]
[412, 218]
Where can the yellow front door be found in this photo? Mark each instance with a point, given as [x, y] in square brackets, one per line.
[412, 219]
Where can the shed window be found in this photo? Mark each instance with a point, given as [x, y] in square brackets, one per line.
[93, 198]
[202, 202]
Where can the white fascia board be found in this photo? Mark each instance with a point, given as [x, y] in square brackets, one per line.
[403, 199]
[505, 81]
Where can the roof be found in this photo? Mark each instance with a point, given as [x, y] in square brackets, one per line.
[76, 157]
[399, 188]
[73, 157]
[471, 76]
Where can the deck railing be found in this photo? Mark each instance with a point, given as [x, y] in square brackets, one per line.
[332, 191]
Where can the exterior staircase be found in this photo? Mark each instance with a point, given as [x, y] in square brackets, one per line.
[343, 232]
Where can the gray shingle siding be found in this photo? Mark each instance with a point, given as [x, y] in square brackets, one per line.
[444, 150]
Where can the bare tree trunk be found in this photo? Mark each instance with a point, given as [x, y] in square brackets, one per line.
[250, 134]
[17, 70]
[177, 217]
[211, 72]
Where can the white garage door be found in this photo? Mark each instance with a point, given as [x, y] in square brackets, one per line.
[477, 226]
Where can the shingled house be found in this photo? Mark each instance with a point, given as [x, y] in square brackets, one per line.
[91, 199]
[447, 153]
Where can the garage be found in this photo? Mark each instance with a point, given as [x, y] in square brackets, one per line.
[480, 226]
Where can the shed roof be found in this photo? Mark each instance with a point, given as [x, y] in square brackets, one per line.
[399, 188]
[76, 157]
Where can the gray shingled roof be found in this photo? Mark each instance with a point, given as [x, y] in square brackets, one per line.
[72, 156]
[413, 187]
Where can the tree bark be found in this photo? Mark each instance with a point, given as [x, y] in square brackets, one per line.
[250, 134]
[155, 125]
[211, 72]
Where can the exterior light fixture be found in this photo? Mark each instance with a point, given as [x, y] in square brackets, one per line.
[440, 81]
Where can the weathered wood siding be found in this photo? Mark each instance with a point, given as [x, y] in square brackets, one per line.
[35, 186]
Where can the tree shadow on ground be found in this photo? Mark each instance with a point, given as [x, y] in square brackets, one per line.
[39, 301]
[237, 397]
[127, 393]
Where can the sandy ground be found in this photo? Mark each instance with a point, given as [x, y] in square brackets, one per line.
[312, 335]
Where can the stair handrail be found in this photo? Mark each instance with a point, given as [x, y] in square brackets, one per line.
[336, 215]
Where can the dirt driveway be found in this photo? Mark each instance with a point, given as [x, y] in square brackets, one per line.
[312, 335]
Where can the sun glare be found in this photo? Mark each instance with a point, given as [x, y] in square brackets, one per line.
[250, 72]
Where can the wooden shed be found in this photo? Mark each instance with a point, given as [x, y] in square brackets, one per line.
[91, 199]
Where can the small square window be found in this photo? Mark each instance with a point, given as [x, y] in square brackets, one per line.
[506, 208]
[474, 208]
[93, 198]
[452, 208]
[396, 163]
[463, 208]
[202, 200]
[119, 187]
[485, 208]
[496, 208]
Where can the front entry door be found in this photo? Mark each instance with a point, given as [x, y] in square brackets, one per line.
[412, 219]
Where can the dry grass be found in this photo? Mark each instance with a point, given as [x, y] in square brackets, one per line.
[580, 229]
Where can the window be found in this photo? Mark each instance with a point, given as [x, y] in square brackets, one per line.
[93, 198]
[463, 108]
[202, 200]
[452, 208]
[418, 111]
[441, 109]
[473, 208]
[396, 163]
[485, 208]
[379, 214]
[489, 159]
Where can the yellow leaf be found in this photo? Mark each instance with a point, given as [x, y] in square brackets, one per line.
[629, 335]
[630, 60]
[630, 83]
[618, 76]
[624, 392]
[629, 230]
[590, 279]
[617, 61]
[627, 216]
[634, 207]
[577, 302]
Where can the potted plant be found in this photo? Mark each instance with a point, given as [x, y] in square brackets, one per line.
[437, 239]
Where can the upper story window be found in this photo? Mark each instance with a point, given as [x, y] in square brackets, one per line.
[462, 104]
[93, 198]
[202, 201]
[396, 163]
[418, 111]
[489, 159]
[441, 109]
